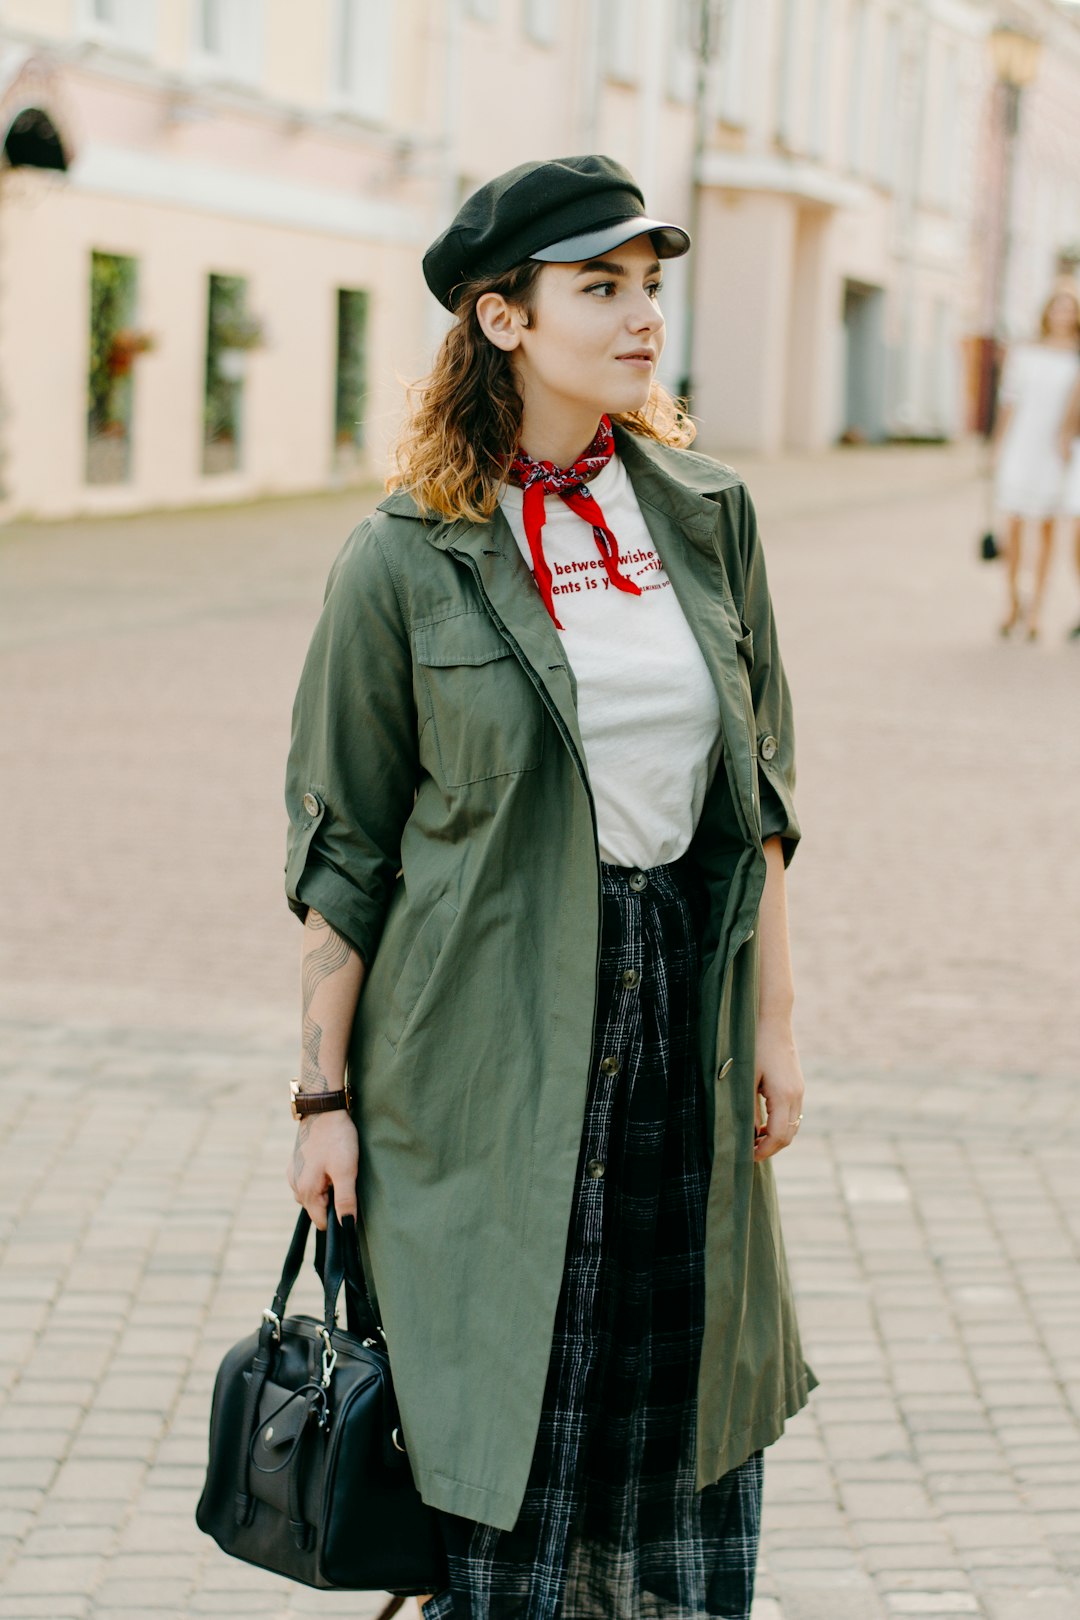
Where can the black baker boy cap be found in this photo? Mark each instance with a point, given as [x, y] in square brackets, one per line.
[561, 210]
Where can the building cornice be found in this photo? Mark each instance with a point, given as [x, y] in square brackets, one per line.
[795, 178]
[149, 177]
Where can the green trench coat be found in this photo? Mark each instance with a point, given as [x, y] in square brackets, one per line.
[442, 821]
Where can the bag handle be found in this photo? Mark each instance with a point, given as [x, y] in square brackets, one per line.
[338, 1248]
[337, 1260]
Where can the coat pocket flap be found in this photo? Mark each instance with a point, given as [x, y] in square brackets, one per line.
[467, 638]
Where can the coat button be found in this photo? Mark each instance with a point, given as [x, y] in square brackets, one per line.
[631, 979]
[610, 1065]
[768, 747]
[311, 804]
[595, 1167]
[724, 1067]
[638, 881]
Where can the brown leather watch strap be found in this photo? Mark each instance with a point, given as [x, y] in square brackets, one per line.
[317, 1102]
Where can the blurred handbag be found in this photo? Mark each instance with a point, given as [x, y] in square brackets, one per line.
[988, 546]
[307, 1472]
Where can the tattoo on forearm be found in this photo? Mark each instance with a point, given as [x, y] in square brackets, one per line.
[330, 955]
[325, 959]
[311, 1076]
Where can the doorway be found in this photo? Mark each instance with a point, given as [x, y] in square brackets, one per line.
[864, 364]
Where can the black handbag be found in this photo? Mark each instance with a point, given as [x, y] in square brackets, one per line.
[989, 549]
[307, 1474]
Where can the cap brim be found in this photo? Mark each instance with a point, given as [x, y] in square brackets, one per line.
[670, 241]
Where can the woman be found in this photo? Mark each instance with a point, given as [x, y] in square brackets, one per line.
[1035, 387]
[540, 794]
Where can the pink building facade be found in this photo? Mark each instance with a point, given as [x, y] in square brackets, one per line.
[212, 216]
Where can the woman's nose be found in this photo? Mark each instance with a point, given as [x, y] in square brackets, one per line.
[649, 317]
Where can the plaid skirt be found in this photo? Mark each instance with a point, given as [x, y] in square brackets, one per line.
[611, 1524]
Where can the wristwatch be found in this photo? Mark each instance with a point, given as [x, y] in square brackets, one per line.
[318, 1102]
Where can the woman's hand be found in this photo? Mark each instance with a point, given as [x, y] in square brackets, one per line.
[779, 1081]
[326, 1153]
[778, 1075]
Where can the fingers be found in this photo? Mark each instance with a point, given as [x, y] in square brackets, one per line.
[777, 1132]
[345, 1196]
[316, 1208]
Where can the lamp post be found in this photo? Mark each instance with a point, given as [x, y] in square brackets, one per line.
[1015, 56]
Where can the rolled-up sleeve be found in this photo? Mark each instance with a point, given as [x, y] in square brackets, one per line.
[775, 740]
[353, 761]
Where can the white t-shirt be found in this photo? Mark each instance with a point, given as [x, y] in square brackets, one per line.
[647, 708]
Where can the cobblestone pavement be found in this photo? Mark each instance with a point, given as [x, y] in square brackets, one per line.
[147, 996]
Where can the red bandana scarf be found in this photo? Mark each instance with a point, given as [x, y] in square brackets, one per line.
[540, 478]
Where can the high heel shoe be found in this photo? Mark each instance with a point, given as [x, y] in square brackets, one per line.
[1008, 625]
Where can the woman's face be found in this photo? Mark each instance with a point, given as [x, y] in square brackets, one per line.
[1062, 316]
[588, 318]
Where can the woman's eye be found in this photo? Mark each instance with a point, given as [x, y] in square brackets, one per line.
[654, 287]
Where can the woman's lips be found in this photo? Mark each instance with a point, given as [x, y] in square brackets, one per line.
[635, 360]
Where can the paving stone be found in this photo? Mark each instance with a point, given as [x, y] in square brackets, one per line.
[936, 1603]
[1043, 1602]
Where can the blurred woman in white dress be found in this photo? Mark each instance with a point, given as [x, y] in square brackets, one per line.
[1034, 398]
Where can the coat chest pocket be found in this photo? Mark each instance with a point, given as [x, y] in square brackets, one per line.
[488, 719]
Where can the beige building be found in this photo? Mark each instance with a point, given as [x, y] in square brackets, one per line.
[233, 189]
[212, 214]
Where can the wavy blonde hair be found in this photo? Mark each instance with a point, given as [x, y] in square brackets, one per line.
[463, 419]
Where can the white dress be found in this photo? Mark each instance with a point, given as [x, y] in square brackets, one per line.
[1038, 382]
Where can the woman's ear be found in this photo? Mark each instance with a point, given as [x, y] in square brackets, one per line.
[498, 320]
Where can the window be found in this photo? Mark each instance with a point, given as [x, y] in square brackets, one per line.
[856, 109]
[362, 57]
[129, 24]
[619, 39]
[231, 332]
[542, 20]
[889, 101]
[787, 77]
[228, 38]
[819, 86]
[948, 123]
[350, 393]
[681, 59]
[114, 348]
[733, 53]
[210, 33]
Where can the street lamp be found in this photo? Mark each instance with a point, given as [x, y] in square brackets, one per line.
[1015, 56]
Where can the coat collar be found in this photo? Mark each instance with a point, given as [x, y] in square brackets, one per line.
[679, 482]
